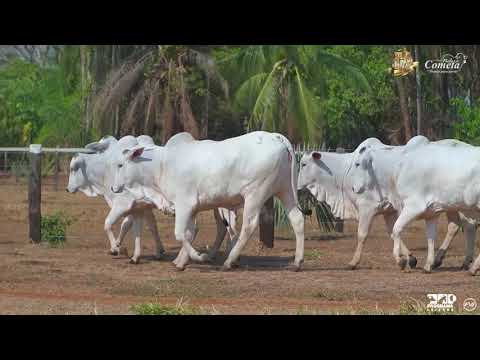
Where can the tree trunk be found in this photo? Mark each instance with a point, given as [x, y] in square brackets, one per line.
[419, 92]
[86, 84]
[404, 108]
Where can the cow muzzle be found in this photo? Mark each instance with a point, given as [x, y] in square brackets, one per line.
[117, 190]
[358, 189]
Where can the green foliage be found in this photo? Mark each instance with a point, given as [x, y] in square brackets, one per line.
[39, 104]
[352, 114]
[20, 169]
[54, 228]
[275, 85]
[468, 127]
[159, 309]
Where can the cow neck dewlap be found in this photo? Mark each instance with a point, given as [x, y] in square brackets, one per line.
[99, 180]
[335, 191]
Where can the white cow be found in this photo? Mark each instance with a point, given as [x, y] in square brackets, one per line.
[326, 176]
[93, 175]
[200, 175]
[420, 183]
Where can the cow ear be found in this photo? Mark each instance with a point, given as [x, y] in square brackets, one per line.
[98, 147]
[134, 153]
[316, 155]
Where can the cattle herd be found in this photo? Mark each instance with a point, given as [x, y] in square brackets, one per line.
[419, 180]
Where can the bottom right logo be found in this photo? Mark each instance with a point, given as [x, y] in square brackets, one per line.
[469, 304]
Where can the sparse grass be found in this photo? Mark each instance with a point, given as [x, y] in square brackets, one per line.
[413, 306]
[312, 254]
[330, 295]
[159, 309]
[410, 306]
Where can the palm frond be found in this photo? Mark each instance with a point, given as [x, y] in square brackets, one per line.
[267, 101]
[337, 63]
[248, 92]
[132, 113]
[304, 108]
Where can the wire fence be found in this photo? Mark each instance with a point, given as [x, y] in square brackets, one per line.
[16, 169]
[15, 166]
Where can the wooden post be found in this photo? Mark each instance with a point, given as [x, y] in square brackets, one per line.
[339, 222]
[267, 218]
[57, 166]
[35, 192]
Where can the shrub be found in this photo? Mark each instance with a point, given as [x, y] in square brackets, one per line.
[54, 228]
[159, 309]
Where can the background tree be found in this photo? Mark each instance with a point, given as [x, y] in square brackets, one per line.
[279, 87]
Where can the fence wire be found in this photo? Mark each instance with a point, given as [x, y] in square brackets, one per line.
[14, 176]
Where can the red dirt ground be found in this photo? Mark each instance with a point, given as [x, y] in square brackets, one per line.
[81, 278]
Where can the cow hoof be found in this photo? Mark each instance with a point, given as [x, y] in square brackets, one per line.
[466, 265]
[412, 262]
[439, 258]
[472, 271]
[114, 252]
[402, 263]
[351, 266]
[134, 261]
[180, 268]
[427, 270]
[294, 268]
[226, 268]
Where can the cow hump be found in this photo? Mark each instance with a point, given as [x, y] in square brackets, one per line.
[415, 142]
[180, 138]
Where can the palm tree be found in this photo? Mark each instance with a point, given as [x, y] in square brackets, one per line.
[278, 86]
[150, 87]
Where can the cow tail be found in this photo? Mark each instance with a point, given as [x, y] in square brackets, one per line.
[293, 173]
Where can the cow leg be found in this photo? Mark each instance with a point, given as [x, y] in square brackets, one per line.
[364, 224]
[182, 253]
[232, 232]
[184, 231]
[390, 219]
[137, 231]
[408, 214]
[221, 232]
[113, 216]
[452, 230]
[251, 215]
[152, 226]
[124, 229]
[475, 266]
[297, 221]
[431, 235]
[470, 237]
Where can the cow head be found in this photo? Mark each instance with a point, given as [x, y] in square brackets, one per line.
[121, 164]
[361, 171]
[77, 179]
[312, 171]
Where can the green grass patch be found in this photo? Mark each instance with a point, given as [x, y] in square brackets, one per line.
[312, 254]
[156, 308]
[54, 228]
